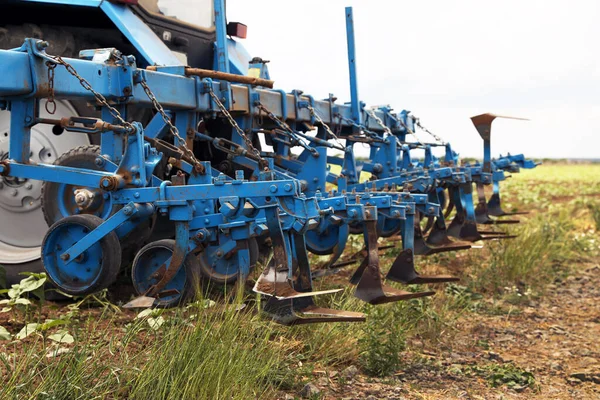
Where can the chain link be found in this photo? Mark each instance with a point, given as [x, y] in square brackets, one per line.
[372, 136]
[87, 86]
[410, 131]
[112, 110]
[286, 129]
[436, 137]
[236, 127]
[318, 118]
[172, 128]
[372, 114]
[51, 103]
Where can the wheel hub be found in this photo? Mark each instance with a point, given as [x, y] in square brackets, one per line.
[23, 225]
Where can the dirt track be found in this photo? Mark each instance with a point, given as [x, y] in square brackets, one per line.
[555, 337]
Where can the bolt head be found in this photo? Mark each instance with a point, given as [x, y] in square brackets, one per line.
[29, 186]
[273, 189]
[14, 192]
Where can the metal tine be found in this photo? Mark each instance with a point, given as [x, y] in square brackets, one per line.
[421, 247]
[403, 271]
[495, 209]
[292, 303]
[275, 279]
[482, 212]
[370, 287]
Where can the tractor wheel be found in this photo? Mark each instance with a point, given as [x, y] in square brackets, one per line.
[23, 226]
[145, 273]
[95, 269]
[225, 270]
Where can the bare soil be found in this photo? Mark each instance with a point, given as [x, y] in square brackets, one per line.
[555, 337]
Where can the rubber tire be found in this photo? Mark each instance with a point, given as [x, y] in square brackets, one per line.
[111, 254]
[190, 264]
[131, 243]
[79, 157]
[63, 43]
[207, 272]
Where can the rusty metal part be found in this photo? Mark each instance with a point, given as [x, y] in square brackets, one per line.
[495, 209]
[370, 287]
[89, 124]
[4, 168]
[482, 212]
[177, 259]
[109, 183]
[223, 76]
[302, 310]
[403, 270]
[422, 248]
[87, 199]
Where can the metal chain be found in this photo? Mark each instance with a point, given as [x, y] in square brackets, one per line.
[410, 131]
[436, 137]
[235, 126]
[112, 110]
[370, 134]
[281, 123]
[316, 116]
[51, 103]
[87, 86]
[172, 128]
[372, 114]
[286, 128]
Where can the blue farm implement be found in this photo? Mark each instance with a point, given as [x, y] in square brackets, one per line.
[223, 170]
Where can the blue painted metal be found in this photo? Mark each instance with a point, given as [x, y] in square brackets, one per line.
[356, 112]
[222, 45]
[154, 51]
[287, 197]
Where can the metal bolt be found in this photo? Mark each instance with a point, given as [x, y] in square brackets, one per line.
[99, 161]
[288, 187]
[29, 186]
[14, 192]
[65, 257]
[136, 195]
[219, 253]
[273, 189]
[127, 211]
[80, 198]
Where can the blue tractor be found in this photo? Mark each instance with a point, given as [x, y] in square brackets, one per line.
[157, 32]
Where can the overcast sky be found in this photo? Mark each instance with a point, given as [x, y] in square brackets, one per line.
[447, 61]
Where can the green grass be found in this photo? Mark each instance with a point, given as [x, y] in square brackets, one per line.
[217, 352]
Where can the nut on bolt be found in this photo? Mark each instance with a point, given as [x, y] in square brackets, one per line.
[109, 183]
[4, 168]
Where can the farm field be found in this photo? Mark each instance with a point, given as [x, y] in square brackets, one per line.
[523, 322]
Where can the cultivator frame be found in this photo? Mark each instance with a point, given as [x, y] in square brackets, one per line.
[285, 197]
